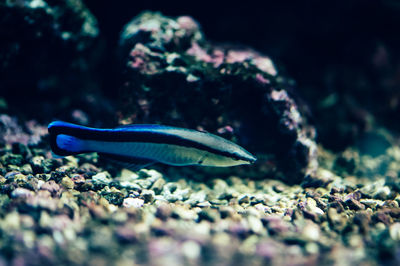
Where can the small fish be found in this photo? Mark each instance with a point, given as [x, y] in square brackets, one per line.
[142, 145]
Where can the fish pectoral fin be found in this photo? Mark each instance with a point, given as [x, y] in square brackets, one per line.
[202, 158]
[128, 162]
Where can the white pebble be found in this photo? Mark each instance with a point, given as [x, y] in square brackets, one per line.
[191, 250]
[133, 202]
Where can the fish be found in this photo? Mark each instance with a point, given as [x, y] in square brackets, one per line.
[141, 145]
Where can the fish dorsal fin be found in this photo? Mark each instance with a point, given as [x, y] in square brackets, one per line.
[139, 126]
[128, 162]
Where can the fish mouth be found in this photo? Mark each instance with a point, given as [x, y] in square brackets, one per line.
[251, 158]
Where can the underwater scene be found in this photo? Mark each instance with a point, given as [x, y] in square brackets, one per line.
[199, 132]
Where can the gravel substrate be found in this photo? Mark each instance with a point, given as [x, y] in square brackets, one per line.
[74, 211]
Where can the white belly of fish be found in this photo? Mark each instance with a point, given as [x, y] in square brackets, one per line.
[163, 153]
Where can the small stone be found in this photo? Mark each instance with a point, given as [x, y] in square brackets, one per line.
[383, 217]
[354, 204]
[312, 248]
[12, 159]
[191, 249]
[172, 192]
[278, 188]
[51, 186]
[20, 179]
[11, 221]
[11, 175]
[226, 211]
[147, 195]
[164, 211]
[37, 163]
[310, 209]
[113, 195]
[337, 220]
[67, 183]
[126, 234]
[276, 225]
[244, 200]
[204, 204]
[133, 202]
[321, 179]
[45, 220]
[102, 178]
[220, 186]
[371, 203]
[255, 224]
[128, 175]
[120, 216]
[27, 222]
[311, 232]
[382, 193]
[78, 179]
[27, 169]
[197, 197]
[394, 231]
[158, 185]
[362, 219]
[144, 183]
[21, 193]
[44, 177]
[210, 215]
[261, 207]
[391, 204]
[129, 185]
[183, 213]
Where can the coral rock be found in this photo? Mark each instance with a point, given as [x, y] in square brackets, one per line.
[174, 76]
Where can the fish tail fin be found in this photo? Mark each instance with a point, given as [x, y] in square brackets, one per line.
[62, 141]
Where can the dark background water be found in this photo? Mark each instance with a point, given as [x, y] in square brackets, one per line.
[343, 55]
[341, 51]
[306, 36]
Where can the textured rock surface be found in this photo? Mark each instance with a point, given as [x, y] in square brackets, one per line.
[48, 57]
[174, 76]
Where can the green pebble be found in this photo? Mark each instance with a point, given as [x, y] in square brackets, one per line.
[67, 183]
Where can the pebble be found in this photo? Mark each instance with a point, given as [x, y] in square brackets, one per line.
[255, 224]
[184, 213]
[133, 202]
[197, 197]
[158, 185]
[394, 231]
[311, 232]
[210, 215]
[147, 195]
[51, 186]
[102, 178]
[21, 193]
[191, 249]
[382, 193]
[20, 178]
[27, 169]
[354, 204]
[204, 204]
[67, 183]
[244, 200]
